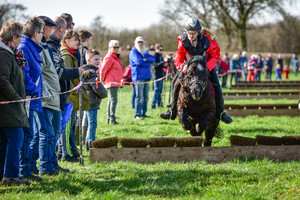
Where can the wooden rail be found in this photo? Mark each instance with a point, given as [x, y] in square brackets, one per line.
[244, 82]
[294, 94]
[243, 110]
[260, 86]
[190, 154]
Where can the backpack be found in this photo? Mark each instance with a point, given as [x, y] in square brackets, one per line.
[127, 75]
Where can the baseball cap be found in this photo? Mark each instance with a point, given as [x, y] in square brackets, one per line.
[139, 39]
[47, 20]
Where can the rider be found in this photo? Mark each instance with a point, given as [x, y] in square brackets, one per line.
[191, 43]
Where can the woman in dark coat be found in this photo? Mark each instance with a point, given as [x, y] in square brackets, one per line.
[12, 115]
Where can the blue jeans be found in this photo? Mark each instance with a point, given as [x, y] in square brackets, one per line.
[40, 138]
[257, 76]
[295, 69]
[72, 139]
[92, 125]
[10, 143]
[156, 98]
[25, 151]
[141, 99]
[53, 125]
[133, 96]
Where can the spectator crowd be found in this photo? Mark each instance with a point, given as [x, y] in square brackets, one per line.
[45, 57]
[242, 68]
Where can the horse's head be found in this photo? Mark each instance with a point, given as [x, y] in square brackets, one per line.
[197, 77]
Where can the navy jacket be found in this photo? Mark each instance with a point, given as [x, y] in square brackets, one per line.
[158, 66]
[64, 74]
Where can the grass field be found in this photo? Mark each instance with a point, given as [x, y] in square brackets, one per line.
[238, 179]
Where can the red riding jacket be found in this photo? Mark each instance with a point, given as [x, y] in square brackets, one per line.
[212, 51]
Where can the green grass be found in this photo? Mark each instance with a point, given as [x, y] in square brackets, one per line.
[238, 179]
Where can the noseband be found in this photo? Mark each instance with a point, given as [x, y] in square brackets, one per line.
[201, 83]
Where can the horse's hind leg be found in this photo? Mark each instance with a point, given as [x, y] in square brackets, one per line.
[183, 118]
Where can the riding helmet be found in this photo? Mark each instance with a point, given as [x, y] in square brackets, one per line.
[192, 24]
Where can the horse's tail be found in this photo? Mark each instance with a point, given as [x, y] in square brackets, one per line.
[219, 133]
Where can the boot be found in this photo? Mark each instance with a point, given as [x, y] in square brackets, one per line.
[14, 181]
[225, 118]
[220, 105]
[172, 112]
[113, 122]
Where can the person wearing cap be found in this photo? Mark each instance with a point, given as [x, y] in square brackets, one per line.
[31, 39]
[64, 74]
[51, 105]
[111, 75]
[197, 41]
[157, 73]
[13, 115]
[140, 61]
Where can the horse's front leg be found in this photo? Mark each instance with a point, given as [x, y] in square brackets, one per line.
[183, 118]
[210, 133]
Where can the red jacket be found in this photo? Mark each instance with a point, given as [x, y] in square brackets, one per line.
[212, 54]
[111, 71]
[225, 64]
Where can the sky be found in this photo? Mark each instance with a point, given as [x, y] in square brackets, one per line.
[119, 14]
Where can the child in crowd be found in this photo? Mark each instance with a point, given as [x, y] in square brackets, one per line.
[286, 72]
[252, 65]
[96, 92]
[278, 72]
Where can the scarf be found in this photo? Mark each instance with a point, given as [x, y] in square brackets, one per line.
[18, 53]
[72, 51]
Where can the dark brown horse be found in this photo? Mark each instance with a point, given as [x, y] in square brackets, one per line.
[196, 102]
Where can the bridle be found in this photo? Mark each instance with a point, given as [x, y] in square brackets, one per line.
[201, 83]
[193, 82]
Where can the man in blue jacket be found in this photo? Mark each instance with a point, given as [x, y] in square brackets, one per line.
[140, 61]
[33, 84]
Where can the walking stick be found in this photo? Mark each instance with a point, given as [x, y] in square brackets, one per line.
[81, 160]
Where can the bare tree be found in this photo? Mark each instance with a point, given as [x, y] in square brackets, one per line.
[100, 33]
[240, 11]
[177, 11]
[11, 11]
[229, 15]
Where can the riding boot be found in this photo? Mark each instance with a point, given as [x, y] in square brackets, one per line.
[220, 105]
[172, 112]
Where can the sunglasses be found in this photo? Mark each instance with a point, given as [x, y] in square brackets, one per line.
[116, 47]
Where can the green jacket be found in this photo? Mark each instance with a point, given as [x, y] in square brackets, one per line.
[12, 87]
[71, 62]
